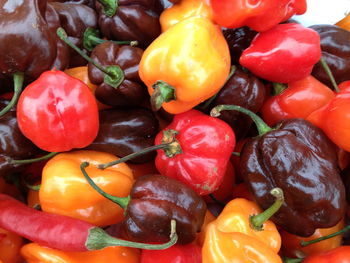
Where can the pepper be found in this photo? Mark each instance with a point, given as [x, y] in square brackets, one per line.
[126, 131]
[201, 153]
[335, 45]
[242, 234]
[58, 112]
[300, 159]
[35, 253]
[283, 54]
[10, 245]
[259, 15]
[335, 255]
[186, 65]
[344, 23]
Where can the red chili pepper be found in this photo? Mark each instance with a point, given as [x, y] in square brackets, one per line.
[283, 54]
[336, 255]
[58, 112]
[259, 15]
[204, 148]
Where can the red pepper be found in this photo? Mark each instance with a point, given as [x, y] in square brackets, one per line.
[336, 255]
[58, 112]
[190, 253]
[259, 15]
[203, 150]
[283, 54]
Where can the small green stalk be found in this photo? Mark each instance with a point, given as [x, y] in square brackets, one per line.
[292, 260]
[329, 74]
[109, 7]
[278, 88]
[18, 79]
[163, 92]
[306, 243]
[42, 158]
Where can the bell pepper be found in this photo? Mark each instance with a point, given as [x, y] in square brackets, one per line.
[234, 237]
[184, 9]
[185, 65]
[283, 54]
[63, 184]
[10, 245]
[344, 23]
[34, 253]
[259, 15]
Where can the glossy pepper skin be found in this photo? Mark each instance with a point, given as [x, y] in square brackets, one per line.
[336, 255]
[193, 57]
[283, 54]
[126, 131]
[300, 159]
[58, 112]
[344, 23]
[155, 200]
[131, 91]
[90, 3]
[335, 45]
[133, 20]
[230, 238]
[10, 245]
[205, 147]
[259, 15]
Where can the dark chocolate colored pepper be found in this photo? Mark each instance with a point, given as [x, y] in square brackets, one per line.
[90, 3]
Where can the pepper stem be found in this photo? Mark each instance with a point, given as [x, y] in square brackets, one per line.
[278, 88]
[109, 7]
[163, 92]
[329, 74]
[18, 79]
[169, 136]
[257, 221]
[292, 260]
[42, 158]
[306, 243]
[260, 124]
[99, 239]
[114, 74]
[121, 201]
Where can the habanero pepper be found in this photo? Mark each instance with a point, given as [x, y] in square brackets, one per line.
[10, 245]
[185, 65]
[344, 23]
[335, 255]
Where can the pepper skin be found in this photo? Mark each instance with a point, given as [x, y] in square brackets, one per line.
[205, 147]
[126, 131]
[336, 255]
[335, 45]
[62, 186]
[259, 15]
[345, 23]
[134, 20]
[283, 54]
[193, 57]
[131, 91]
[90, 3]
[34, 253]
[10, 245]
[230, 238]
[300, 159]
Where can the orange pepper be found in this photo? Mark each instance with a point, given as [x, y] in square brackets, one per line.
[183, 10]
[65, 191]
[34, 253]
[209, 217]
[231, 238]
[10, 245]
[291, 243]
[185, 65]
[345, 22]
[33, 198]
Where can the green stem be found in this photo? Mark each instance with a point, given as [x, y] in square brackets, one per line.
[35, 188]
[121, 201]
[236, 154]
[292, 260]
[329, 74]
[18, 79]
[260, 124]
[257, 221]
[306, 243]
[220, 203]
[99, 239]
[109, 7]
[163, 92]
[42, 158]
[278, 88]
[114, 75]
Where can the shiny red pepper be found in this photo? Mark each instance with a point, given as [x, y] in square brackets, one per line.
[259, 15]
[283, 54]
[203, 150]
[336, 255]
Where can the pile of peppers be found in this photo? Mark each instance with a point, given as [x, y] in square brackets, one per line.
[178, 131]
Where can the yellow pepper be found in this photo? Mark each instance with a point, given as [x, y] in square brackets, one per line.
[345, 22]
[185, 65]
[34, 253]
[183, 10]
[65, 191]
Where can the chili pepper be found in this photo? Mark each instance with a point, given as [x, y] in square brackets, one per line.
[186, 65]
[62, 232]
[58, 112]
[126, 131]
[335, 51]
[10, 245]
[242, 233]
[335, 255]
[183, 10]
[35, 253]
[260, 15]
[300, 159]
[283, 54]
[298, 100]
[190, 253]
[129, 20]
[345, 23]
[203, 149]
